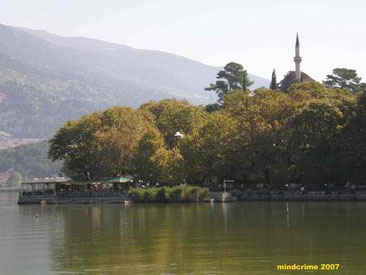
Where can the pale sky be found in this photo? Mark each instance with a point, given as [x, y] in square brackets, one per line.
[260, 34]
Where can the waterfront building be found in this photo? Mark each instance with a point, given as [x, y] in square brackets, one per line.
[64, 190]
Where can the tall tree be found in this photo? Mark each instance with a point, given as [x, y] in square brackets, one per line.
[313, 141]
[354, 143]
[273, 85]
[233, 77]
[173, 116]
[208, 150]
[101, 144]
[75, 144]
[344, 78]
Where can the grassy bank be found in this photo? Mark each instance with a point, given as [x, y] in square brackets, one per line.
[169, 194]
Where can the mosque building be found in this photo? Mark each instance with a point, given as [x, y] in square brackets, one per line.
[297, 76]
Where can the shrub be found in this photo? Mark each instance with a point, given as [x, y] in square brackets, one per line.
[194, 193]
[150, 194]
[203, 194]
[161, 195]
[169, 194]
[137, 194]
[186, 193]
[176, 194]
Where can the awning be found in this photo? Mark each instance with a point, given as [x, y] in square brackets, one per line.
[116, 180]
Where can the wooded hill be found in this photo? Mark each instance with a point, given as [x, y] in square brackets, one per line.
[46, 79]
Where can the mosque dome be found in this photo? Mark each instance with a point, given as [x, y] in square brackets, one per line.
[290, 78]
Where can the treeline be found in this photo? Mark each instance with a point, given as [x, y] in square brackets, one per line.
[312, 134]
[28, 161]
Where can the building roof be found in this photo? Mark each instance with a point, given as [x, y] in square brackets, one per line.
[116, 180]
[290, 79]
[47, 180]
[68, 180]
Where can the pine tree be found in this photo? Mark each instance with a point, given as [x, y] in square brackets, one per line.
[345, 79]
[233, 77]
[273, 85]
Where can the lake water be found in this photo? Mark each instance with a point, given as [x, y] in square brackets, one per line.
[231, 238]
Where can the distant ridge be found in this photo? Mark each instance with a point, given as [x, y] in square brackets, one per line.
[46, 79]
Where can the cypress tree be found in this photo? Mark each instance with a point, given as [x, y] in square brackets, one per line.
[273, 85]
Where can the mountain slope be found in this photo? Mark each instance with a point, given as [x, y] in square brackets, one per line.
[46, 79]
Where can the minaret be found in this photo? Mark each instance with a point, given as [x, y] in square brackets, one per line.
[297, 59]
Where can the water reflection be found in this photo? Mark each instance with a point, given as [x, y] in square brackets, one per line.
[231, 238]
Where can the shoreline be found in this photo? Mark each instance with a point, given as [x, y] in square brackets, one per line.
[299, 196]
[213, 197]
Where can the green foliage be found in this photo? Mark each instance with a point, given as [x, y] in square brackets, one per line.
[101, 144]
[203, 194]
[175, 194]
[353, 145]
[311, 135]
[173, 116]
[154, 162]
[233, 77]
[178, 193]
[148, 162]
[29, 160]
[207, 150]
[273, 85]
[345, 79]
[210, 108]
[137, 194]
[313, 139]
[162, 194]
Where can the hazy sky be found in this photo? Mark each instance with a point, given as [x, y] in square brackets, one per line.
[260, 34]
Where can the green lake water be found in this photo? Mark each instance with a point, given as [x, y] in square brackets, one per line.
[232, 238]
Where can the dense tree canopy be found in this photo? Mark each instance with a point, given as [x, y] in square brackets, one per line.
[29, 161]
[101, 144]
[173, 116]
[312, 134]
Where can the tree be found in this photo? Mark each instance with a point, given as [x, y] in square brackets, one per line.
[75, 144]
[101, 144]
[344, 78]
[153, 162]
[312, 134]
[233, 77]
[14, 179]
[117, 140]
[207, 151]
[173, 116]
[314, 142]
[146, 162]
[273, 85]
[210, 108]
[266, 116]
[244, 80]
[353, 144]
